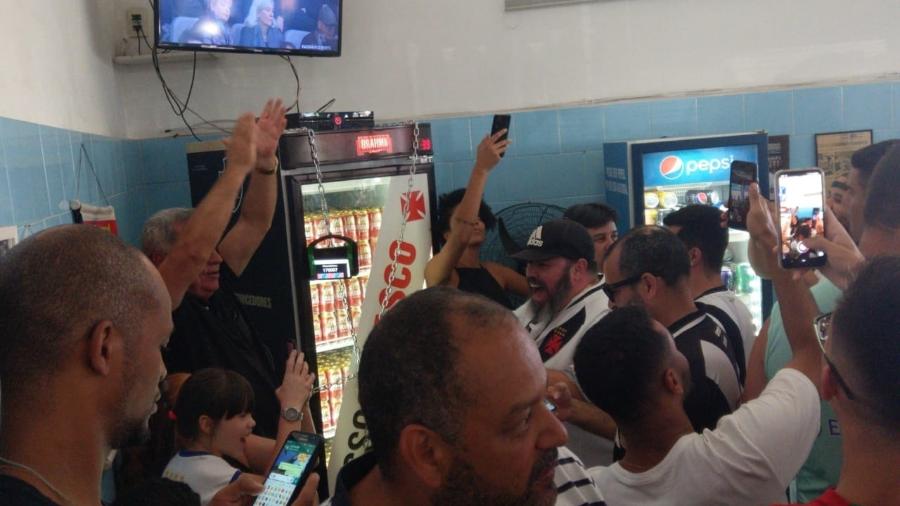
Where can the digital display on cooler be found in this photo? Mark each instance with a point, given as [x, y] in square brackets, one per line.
[332, 268]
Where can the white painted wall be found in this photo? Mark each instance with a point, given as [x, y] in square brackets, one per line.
[423, 58]
[56, 65]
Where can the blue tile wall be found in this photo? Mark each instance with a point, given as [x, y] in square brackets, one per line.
[556, 155]
[39, 171]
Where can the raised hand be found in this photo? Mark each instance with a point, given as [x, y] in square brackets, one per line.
[268, 131]
[489, 151]
[297, 383]
[844, 258]
[764, 238]
[241, 146]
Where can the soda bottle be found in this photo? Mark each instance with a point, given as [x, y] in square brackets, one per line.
[308, 230]
[325, 402]
[329, 326]
[326, 297]
[365, 255]
[343, 324]
[336, 397]
[354, 293]
[374, 223]
[317, 329]
[350, 225]
[314, 298]
[362, 224]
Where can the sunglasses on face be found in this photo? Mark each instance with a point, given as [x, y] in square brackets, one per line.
[823, 327]
[610, 289]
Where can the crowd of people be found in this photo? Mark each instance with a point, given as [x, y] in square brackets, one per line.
[630, 375]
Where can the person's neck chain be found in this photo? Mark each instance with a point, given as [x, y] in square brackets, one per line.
[39, 476]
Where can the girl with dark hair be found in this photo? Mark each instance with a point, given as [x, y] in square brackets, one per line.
[213, 421]
[463, 219]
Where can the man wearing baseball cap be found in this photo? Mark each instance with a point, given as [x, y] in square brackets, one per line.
[566, 300]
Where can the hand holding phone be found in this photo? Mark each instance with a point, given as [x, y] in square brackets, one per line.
[742, 175]
[501, 121]
[296, 460]
[801, 212]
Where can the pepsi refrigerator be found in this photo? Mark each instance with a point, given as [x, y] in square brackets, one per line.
[648, 179]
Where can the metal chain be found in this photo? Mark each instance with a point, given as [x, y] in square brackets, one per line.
[342, 291]
[313, 146]
[405, 215]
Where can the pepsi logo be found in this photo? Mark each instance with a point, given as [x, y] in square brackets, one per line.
[671, 167]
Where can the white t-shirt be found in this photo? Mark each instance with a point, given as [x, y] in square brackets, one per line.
[573, 485]
[749, 459]
[205, 473]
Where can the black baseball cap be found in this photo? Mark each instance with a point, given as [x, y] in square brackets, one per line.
[558, 238]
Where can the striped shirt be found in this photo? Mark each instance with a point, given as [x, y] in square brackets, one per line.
[573, 485]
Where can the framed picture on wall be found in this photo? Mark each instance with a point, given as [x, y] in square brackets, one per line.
[833, 151]
[9, 236]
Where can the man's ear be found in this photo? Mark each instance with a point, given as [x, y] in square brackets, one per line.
[672, 382]
[649, 285]
[696, 256]
[425, 454]
[103, 343]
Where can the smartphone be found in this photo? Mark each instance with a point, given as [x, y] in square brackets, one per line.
[297, 458]
[501, 121]
[801, 215]
[742, 174]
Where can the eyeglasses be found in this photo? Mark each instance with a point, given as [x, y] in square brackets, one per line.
[610, 289]
[823, 326]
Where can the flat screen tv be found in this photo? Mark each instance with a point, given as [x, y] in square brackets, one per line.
[284, 27]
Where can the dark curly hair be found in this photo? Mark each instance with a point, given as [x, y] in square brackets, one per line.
[448, 202]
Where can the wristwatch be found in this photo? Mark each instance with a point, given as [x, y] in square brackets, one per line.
[292, 414]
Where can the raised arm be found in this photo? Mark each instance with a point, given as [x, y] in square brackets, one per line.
[440, 268]
[203, 230]
[798, 322]
[258, 208]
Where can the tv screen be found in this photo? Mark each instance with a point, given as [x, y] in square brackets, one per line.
[287, 27]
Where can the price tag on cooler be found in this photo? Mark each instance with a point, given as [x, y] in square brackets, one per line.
[329, 259]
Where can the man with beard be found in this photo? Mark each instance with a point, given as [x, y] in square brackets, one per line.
[84, 319]
[446, 424]
[566, 299]
[650, 267]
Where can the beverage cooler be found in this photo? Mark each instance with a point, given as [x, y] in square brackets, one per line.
[648, 179]
[282, 301]
[357, 168]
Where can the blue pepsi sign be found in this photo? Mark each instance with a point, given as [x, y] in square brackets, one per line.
[692, 166]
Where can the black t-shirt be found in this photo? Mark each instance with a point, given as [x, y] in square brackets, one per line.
[14, 491]
[215, 333]
[706, 402]
[480, 280]
[349, 476]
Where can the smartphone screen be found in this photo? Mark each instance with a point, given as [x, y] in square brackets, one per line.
[501, 121]
[742, 174]
[296, 460]
[801, 209]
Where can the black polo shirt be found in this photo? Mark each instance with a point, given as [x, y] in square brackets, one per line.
[216, 333]
[348, 477]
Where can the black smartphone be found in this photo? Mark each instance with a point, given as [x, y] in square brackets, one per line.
[742, 174]
[297, 458]
[501, 121]
[801, 215]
